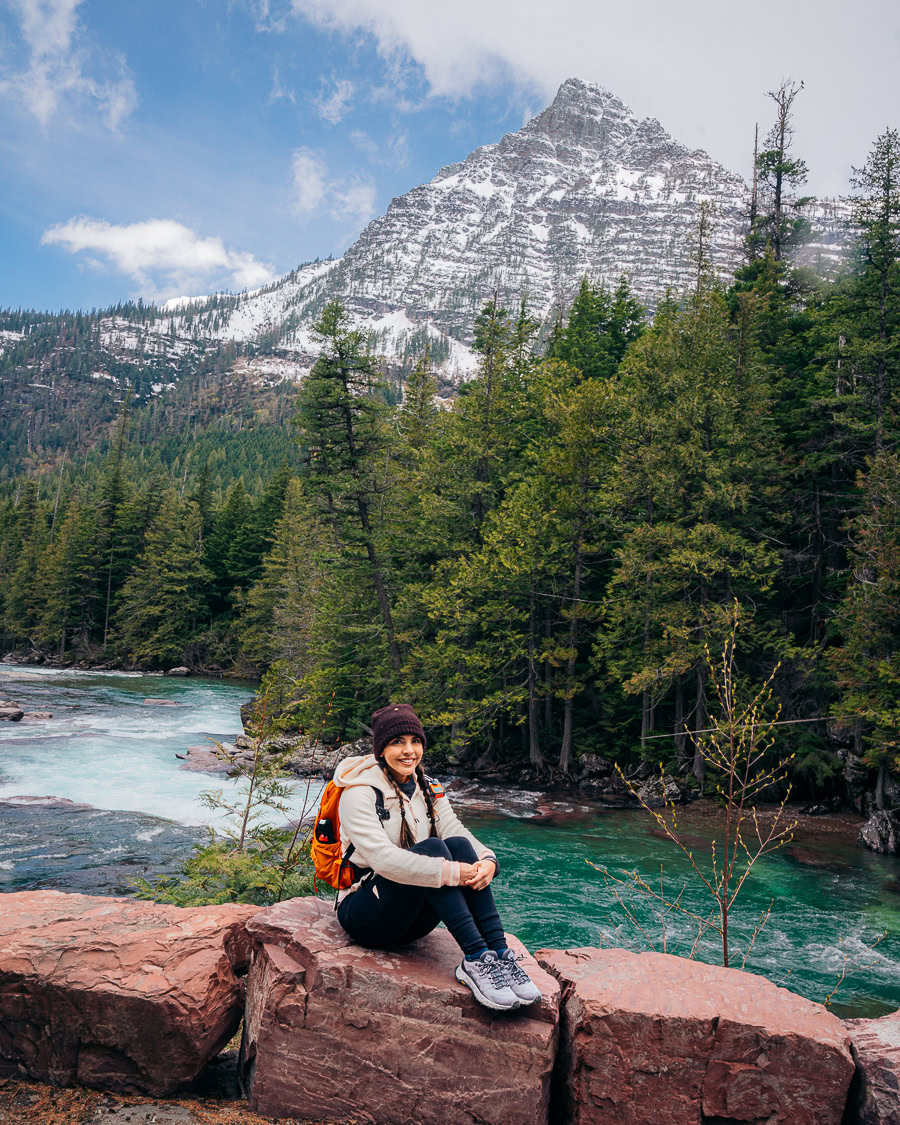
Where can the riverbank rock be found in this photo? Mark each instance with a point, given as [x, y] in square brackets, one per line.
[650, 1038]
[337, 1031]
[881, 833]
[117, 994]
[180, 671]
[659, 791]
[875, 1097]
[204, 759]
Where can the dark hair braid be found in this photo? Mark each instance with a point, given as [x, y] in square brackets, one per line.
[406, 836]
[429, 798]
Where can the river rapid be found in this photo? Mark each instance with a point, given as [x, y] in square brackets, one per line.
[134, 811]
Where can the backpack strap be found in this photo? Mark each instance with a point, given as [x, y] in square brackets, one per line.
[383, 815]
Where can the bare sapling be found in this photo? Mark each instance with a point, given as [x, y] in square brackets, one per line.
[736, 748]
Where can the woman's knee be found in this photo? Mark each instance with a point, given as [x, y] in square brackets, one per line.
[460, 849]
[432, 846]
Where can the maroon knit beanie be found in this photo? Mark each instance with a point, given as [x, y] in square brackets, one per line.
[391, 721]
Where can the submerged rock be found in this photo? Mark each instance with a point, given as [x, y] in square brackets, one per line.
[117, 994]
[53, 843]
[875, 1097]
[10, 712]
[881, 833]
[333, 1030]
[648, 1038]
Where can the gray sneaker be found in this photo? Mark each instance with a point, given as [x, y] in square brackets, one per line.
[488, 981]
[518, 981]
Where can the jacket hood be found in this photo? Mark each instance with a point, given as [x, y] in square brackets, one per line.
[362, 770]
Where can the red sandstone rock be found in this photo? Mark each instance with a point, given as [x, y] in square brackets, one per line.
[117, 994]
[876, 1048]
[650, 1038]
[337, 1031]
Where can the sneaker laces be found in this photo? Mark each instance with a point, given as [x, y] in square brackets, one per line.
[491, 967]
[518, 975]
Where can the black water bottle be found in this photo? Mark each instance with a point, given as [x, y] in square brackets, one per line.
[324, 831]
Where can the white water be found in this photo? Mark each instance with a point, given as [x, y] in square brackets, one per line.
[106, 747]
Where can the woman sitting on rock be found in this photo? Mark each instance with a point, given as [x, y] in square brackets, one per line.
[418, 865]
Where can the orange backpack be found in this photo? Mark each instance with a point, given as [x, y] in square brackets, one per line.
[330, 866]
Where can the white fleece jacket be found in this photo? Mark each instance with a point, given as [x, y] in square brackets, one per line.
[376, 842]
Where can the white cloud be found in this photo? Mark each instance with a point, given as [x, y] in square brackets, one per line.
[394, 154]
[348, 199]
[352, 200]
[279, 90]
[63, 72]
[696, 67]
[161, 255]
[334, 107]
[308, 171]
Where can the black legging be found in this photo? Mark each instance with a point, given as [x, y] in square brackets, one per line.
[383, 914]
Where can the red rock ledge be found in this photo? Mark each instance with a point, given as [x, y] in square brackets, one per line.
[117, 994]
[650, 1038]
[337, 1031]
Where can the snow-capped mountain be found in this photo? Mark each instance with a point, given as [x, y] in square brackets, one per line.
[584, 188]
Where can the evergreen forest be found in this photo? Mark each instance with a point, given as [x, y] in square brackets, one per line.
[540, 568]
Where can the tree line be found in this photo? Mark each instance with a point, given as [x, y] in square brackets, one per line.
[540, 568]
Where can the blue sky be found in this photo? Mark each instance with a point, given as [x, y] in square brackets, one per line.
[182, 146]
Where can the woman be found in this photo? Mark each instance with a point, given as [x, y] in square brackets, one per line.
[418, 865]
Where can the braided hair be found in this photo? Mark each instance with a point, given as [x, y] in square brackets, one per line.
[406, 835]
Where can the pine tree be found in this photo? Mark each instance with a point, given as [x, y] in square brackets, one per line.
[780, 222]
[867, 662]
[341, 421]
[162, 603]
[71, 577]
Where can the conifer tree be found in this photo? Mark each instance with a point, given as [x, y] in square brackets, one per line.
[162, 603]
[867, 662]
[780, 222]
[341, 421]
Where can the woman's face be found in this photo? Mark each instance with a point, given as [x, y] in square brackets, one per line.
[403, 754]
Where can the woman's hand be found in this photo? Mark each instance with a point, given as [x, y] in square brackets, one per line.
[478, 875]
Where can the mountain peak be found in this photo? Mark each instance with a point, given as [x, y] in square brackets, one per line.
[585, 114]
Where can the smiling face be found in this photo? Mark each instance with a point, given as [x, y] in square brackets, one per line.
[403, 754]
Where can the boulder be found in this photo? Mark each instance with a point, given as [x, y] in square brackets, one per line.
[180, 671]
[114, 993]
[662, 790]
[161, 703]
[594, 765]
[881, 833]
[38, 715]
[336, 1031]
[875, 1097]
[305, 758]
[204, 759]
[651, 1038]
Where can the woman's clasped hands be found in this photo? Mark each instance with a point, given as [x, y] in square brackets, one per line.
[476, 875]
